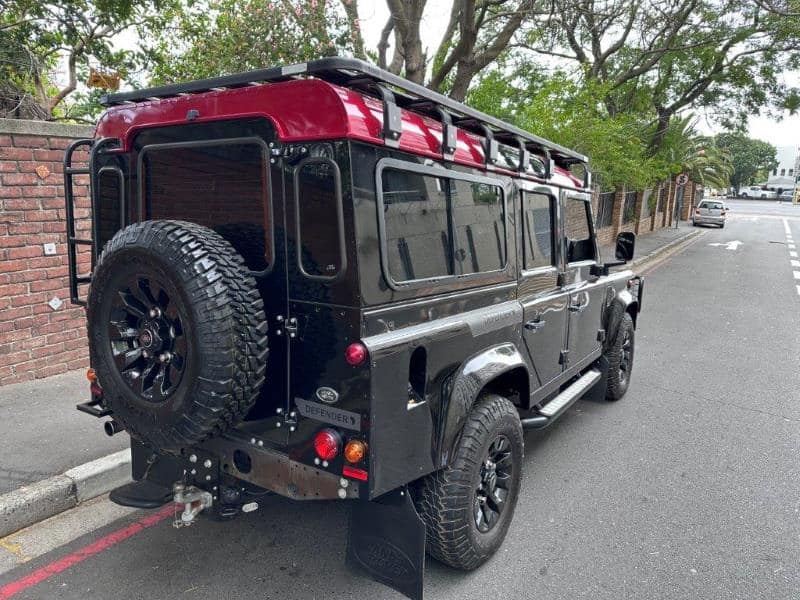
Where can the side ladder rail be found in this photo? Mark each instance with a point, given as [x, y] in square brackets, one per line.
[69, 198]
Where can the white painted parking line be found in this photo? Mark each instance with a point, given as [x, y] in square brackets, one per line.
[786, 226]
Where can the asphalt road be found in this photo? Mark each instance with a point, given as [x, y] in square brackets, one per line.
[689, 487]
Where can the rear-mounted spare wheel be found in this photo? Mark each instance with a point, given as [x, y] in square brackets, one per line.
[177, 333]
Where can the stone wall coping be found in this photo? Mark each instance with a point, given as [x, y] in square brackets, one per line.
[45, 128]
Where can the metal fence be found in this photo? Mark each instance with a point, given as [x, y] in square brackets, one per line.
[605, 210]
[629, 208]
[662, 198]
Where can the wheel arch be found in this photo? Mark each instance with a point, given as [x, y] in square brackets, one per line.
[500, 369]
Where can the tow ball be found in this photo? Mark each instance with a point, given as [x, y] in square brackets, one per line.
[194, 501]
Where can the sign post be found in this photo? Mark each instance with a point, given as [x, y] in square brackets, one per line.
[680, 181]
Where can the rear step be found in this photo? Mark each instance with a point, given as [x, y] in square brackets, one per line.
[558, 405]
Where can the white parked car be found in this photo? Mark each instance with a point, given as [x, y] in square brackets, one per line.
[754, 191]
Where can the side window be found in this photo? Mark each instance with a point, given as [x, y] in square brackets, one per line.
[441, 226]
[418, 220]
[480, 226]
[320, 229]
[579, 239]
[538, 230]
[109, 192]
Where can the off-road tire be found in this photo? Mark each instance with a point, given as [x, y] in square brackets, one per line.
[221, 315]
[445, 499]
[617, 380]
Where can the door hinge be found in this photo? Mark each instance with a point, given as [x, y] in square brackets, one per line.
[564, 358]
[601, 335]
[289, 419]
[287, 326]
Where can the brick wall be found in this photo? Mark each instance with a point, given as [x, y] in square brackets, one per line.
[36, 339]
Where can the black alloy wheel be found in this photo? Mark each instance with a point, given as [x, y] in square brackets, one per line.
[468, 506]
[147, 337]
[626, 360]
[495, 481]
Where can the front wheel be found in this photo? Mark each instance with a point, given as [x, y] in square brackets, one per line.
[620, 359]
[468, 506]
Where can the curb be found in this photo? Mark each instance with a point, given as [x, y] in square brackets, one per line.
[637, 262]
[41, 500]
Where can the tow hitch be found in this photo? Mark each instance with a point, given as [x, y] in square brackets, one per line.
[194, 501]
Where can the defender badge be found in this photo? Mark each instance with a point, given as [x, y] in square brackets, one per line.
[327, 395]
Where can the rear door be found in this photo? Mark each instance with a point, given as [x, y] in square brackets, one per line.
[586, 291]
[544, 303]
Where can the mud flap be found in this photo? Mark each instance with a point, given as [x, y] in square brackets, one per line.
[386, 541]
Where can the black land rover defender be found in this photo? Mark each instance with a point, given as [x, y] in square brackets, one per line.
[327, 282]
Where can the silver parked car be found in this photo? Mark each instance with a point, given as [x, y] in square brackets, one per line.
[710, 212]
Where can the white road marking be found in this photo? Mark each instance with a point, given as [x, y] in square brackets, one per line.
[795, 263]
[790, 246]
[786, 226]
[728, 245]
[796, 274]
[798, 290]
[792, 253]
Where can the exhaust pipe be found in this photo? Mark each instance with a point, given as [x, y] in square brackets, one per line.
[112, 428]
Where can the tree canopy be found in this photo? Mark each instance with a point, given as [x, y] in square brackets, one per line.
[752, 159]
[615, 79]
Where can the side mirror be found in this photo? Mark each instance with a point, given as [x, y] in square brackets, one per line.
[626, 241]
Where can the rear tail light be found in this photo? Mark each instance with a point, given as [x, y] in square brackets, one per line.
[327, 444]
[355, 354]
[355, 451]
[94, 386]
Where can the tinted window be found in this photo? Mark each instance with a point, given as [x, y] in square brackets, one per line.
[439, 226]
[538, 230]
[318, 215]
[220, 186]
[579, 240]
[480, 226]
[418, 225]
[109, 208]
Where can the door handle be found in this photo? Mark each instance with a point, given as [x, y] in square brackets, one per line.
[576, 308]
[534, 324]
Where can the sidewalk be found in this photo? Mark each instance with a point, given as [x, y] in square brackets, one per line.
[44, 435]
[653, 241]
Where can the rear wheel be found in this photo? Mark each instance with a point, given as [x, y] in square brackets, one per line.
[177, 333]
[468, 506]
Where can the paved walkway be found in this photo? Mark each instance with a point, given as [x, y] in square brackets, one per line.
[651, 241]
[42, 434]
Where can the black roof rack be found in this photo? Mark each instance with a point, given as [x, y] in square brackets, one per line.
[392, 89]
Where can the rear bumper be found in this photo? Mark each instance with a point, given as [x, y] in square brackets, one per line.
[708, 220]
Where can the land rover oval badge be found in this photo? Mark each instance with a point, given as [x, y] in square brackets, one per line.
[327, 395]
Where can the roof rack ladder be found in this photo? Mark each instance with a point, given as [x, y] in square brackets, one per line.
[72, 241]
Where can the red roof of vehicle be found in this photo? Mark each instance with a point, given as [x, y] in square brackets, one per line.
[301, 110]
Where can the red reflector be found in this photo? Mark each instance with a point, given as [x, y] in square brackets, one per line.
[353, 473]
[355, 354]
[327, 444]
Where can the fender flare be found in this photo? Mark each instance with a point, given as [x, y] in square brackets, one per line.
[623, 302]
[463, 387]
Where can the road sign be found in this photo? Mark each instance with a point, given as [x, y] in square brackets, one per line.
[682, 179]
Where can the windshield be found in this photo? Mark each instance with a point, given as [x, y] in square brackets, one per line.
[712, 205]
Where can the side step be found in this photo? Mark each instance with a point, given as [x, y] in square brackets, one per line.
[556, 407]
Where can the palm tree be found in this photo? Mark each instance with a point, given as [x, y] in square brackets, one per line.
[686, 151]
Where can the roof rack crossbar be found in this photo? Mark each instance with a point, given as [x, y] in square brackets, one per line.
[353, 73]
